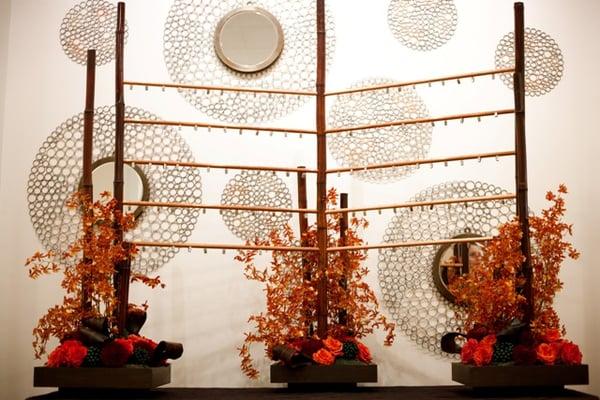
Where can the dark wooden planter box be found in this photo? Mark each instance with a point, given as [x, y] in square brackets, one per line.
[134, 377]
[507, 376]
[342, 372]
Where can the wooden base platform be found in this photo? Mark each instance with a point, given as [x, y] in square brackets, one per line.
[497, 376]
[360, 393]
[341, 373]
[134, 377]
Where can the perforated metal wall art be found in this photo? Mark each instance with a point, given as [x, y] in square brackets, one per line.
[91, 24]
[405, 274]
[422, 24]
[257, 189]
[190, 58]
[375, 146]
[544, 65]
[57, 170]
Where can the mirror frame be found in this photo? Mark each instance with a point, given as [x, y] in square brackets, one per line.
[435, 270]
[244, 67]
[146, 187]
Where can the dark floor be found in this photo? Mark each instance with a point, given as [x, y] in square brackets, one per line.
[370, 393]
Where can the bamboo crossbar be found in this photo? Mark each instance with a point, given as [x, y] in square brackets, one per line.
[422, 81]
[240, 128]
[409, 244]
[219, 246]
[218, 207]
[219, 166]
[422, 120]
[218, 88]
[416, 204]
[436, 160]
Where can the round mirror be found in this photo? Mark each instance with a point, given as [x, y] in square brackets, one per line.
[453, 260]
[135, 186]
[248, 39]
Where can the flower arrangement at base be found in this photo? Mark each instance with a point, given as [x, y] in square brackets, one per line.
[493, 300]
[291, 279]
[85, 322]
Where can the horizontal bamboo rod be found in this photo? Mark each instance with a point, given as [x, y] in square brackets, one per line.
[219, 246]
[409, 244]
[422, 121]
[421, 81]
[240, 128]
[477, 156]
[219, 166]
[432, 203]
[218, 88]
[217, 207]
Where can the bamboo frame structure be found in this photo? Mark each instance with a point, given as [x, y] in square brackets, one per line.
[321, 131]
[219, 207]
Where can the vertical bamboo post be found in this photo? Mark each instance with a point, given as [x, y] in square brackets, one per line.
[303, 227]
[87, 187]
[123, 268]
[521, 156]
[343, 314]
[322, 311]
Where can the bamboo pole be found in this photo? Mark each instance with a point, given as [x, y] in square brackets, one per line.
[123, 268]
[431, 203]
[424, 161]
[343, 314]
[218, 88]
[87, 182]
[240, 128]
[219, 166]
[303, 228]
[409, 244]
[322, 312]
[422, 81]
[422, 121]
[219, 207]
[521, 158]
[222, 246]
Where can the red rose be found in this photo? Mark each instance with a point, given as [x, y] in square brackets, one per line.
[364, 354]
[334, 346]
[116, 353]
[311, 346]
[323, 357]
[483, 354]
[524, 355]
[489, 340]
[70, 353]
[551, 335]
[478, 332]
[546, 353]
[466, 353]
[570, 354]
[142, 342]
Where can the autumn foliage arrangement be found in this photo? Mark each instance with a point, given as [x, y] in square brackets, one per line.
[84, 322]
[291, 293]
[493, 300]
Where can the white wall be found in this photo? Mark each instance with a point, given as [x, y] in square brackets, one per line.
[4, 29]
[207, 301]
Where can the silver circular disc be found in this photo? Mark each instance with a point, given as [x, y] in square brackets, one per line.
[56, 174]
[405, 274]
[380, 145]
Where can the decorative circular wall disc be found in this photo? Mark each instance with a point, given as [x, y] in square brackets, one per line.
[544, 65]
[255, 189]
[56, 174]
[380, 145]
[422, 24]
[91, 24]
[190, 57]
[405, 274]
